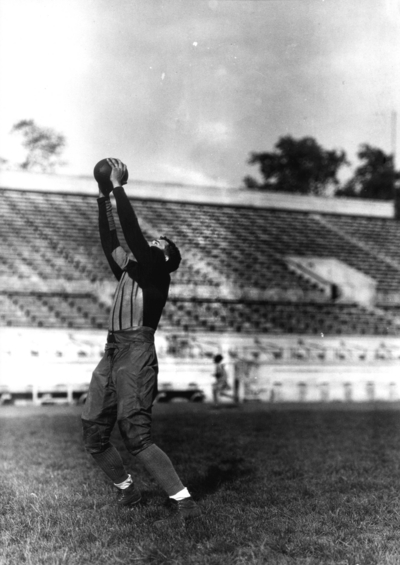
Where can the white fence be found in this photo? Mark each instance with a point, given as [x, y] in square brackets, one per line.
[55, 366]
[321, 382]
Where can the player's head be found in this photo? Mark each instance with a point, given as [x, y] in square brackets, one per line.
[218, 358]
[170, 250]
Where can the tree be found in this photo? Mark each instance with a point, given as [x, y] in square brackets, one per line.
[44, 146]
[374, 178]
[297, 166]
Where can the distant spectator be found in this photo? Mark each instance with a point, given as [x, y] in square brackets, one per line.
[221, 385]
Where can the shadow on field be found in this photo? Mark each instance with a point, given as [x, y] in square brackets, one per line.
[227, 471]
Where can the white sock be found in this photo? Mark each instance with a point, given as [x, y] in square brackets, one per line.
[125, 484]
[184, 493]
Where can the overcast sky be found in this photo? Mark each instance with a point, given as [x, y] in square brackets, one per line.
[184, 90]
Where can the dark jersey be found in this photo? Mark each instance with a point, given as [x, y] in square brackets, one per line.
[220, 373]
[143, 278]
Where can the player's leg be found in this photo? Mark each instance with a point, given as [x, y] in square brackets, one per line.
[236, 390]
[136, 389]
[223, 388]
[98, 418]
[215, 393]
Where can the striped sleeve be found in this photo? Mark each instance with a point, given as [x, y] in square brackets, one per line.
[108, 234]
[109, 214]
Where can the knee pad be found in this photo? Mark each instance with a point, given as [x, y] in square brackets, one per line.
[136, 437]
[95, 437]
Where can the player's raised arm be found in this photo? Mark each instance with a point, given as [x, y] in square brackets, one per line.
[116, 256]
[130, 226]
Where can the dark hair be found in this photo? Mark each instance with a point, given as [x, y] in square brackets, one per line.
[174, 256]
[218, 358]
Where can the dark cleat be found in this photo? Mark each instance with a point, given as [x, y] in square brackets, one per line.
[128, 496]
[185, 509]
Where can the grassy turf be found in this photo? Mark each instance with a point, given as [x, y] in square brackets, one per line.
[287, 486]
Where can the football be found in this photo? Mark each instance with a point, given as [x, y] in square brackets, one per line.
[101, 173]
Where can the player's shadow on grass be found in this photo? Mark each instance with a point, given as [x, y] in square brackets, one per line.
[226, 471]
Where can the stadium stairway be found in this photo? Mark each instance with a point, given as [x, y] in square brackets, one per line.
[342, 231]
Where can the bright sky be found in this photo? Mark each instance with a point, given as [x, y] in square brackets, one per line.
[184, 90]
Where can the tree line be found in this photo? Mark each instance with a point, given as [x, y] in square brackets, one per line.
[44, 147]
[303, 166]
[295, 166]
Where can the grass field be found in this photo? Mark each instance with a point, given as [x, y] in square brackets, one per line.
[276, 485]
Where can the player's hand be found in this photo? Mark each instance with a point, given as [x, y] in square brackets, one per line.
[118, 172]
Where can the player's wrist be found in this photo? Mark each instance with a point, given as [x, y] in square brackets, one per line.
[102, 195]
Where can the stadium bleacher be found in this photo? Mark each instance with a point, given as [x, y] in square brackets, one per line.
[49, 237]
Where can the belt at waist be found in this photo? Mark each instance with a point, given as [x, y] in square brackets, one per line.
[126, 337]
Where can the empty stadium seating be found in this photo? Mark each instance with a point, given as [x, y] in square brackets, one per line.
[49, 237]
[52, 310]
[277, 318]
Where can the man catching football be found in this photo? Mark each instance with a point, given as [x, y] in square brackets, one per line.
[124, 383]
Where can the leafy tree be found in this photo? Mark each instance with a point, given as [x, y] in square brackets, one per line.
[297, 166]
[374, 178]
[44, 146]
